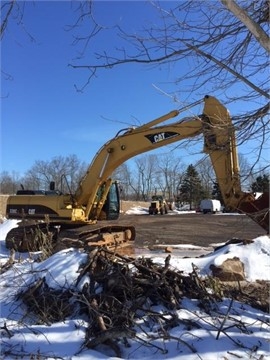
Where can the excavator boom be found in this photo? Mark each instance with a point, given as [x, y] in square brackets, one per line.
[220, 145]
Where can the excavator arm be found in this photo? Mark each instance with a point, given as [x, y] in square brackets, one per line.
[123, 147]
[219, 142]
[216, 127]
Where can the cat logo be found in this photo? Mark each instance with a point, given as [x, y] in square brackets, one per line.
[158, 137]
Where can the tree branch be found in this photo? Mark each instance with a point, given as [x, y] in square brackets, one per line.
[253, 27]
[230, 70]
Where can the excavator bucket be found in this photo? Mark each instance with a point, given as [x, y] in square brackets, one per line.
[258, 210]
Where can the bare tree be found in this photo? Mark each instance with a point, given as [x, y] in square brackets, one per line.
[207, 175]
[225, 45]
[123, 174]
[64, 171]
[168, 174]
[130, 179]
[9, 183]
[146, 166]
[246, 173]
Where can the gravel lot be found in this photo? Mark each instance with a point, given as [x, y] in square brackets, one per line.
[196, 229]
[171, 229]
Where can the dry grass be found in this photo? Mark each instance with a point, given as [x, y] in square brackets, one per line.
[3, 202]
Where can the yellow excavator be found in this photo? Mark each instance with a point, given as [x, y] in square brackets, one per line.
[88, 216]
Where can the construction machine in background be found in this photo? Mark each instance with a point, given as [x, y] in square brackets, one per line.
[87, 217]
[158, 205]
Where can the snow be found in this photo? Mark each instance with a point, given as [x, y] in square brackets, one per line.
[247, 329]
[139, 210]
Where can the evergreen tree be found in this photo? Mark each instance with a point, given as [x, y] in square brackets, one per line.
[216, 193]
[261, 184]
[191, 190]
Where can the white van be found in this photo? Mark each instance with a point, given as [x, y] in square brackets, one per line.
[210, 206]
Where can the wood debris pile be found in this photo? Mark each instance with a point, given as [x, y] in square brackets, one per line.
[119, 291]
[114, 291]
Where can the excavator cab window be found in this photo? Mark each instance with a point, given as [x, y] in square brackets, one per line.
[112, 204]
[52, 186]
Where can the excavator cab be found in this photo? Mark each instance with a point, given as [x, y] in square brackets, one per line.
[111, 207]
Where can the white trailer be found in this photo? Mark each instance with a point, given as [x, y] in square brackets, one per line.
[210, 206]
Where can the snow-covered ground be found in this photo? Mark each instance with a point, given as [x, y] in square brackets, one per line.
[247, 329]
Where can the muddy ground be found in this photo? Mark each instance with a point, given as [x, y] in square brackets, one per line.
[193, 228]
[170, 229]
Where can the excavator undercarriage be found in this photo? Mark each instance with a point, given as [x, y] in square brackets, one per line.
[58, 236]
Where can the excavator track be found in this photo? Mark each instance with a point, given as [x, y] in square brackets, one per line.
[65, 235]
[108, 235]
[30, 237]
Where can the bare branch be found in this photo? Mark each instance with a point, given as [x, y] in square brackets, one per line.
[253, 27]
[4, 23]
[222, 65]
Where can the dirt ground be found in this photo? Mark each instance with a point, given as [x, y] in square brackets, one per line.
[196, 229]
[191, 228]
